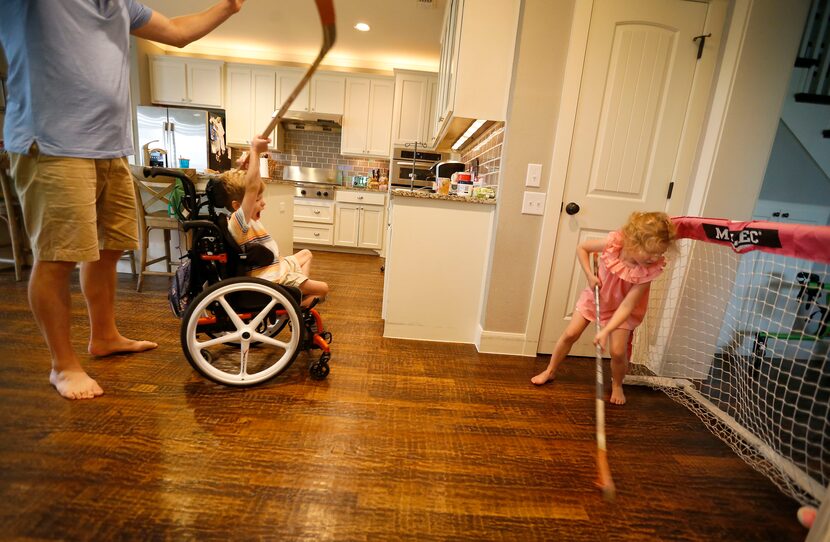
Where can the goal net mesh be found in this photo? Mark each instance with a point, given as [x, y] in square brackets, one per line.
[738, 331]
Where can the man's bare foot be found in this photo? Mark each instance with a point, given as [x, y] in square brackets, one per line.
[122, 345]
[543, 377]
[75, 384]
[617, 395]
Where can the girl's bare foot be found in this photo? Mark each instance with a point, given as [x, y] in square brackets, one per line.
[75, 384]
[121, 345]
[543, 377]
[617, 395]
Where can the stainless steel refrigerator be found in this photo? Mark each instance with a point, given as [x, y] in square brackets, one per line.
[178, 137]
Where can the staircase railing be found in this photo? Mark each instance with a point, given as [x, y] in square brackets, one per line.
[814, 55]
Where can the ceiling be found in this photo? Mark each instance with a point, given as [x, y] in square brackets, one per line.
[404, 34]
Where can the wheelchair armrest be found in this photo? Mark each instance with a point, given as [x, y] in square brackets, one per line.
[188, 225]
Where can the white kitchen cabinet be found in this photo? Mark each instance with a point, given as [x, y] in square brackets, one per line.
[313, 221]
[476, 64]
[190, 82]
[324, 93]
[359, 219]
[250, 97]
[367, 116]
[414, 100]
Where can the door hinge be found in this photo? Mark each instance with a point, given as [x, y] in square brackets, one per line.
[671, 189]
[561, 206]
[702, 39]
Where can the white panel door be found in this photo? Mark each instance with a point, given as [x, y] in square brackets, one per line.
[640, 63]
[371, 227]
[327, 93]
[238, 112]
[355, 116]
[381, 104]
[346, 225]
[286, 83]
[264, 102]
[204, 84]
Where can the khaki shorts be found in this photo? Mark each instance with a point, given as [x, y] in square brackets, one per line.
[75, 207]
[292, 273]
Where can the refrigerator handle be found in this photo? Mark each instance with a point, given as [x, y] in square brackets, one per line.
[164, 126]
[175, 161]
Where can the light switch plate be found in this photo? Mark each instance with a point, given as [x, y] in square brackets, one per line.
[533, 203]
[534, 175]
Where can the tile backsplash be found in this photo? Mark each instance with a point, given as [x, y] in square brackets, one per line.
[316, 149]
[487, 149]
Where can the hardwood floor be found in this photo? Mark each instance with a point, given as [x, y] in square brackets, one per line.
[404, 441]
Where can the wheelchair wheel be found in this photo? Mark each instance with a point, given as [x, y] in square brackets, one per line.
[320, 369]
[223, 322]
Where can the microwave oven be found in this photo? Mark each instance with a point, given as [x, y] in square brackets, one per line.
[412, 169]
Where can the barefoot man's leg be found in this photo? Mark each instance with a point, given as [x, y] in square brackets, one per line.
[51, 306]
[98, 285]
[563, 346]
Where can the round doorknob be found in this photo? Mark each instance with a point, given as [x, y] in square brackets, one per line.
[572, 208]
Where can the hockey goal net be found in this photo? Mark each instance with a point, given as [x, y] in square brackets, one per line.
[738, 331]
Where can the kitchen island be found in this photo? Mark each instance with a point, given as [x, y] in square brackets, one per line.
[436, 265]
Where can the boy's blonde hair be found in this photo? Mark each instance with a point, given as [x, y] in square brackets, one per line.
[234, 182]
[651, 232]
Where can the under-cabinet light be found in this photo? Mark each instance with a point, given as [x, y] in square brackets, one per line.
[363, 27]
[466, 135]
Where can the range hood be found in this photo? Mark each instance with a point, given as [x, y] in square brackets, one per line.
[310, 117]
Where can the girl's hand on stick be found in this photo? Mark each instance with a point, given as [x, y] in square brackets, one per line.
[600, 339]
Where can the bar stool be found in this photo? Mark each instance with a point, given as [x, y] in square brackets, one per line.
[152, 198]
[10, 213]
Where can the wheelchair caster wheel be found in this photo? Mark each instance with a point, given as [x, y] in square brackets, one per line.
[326, 336]
[319, 370]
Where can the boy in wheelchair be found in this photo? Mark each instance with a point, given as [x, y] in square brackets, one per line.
[244, 199]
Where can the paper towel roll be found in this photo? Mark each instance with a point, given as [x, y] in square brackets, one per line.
[263, 167]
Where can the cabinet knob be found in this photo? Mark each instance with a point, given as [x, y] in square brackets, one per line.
[359, 197]
[316, 211]
[317, 234]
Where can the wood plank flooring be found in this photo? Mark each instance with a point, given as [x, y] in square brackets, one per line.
[405, 440]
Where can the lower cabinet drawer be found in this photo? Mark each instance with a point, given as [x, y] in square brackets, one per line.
[310, 232]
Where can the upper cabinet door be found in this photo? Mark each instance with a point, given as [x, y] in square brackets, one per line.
[355, 116]
[328, 93]
[264, 101]
[287, 81]
[238, 111]
[411, 108]
[204, 83]
[379, 130]
[168, 80]
[185, 81]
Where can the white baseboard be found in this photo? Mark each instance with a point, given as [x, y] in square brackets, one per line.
[499, 342]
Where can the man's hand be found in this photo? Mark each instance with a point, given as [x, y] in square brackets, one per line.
[235, 5]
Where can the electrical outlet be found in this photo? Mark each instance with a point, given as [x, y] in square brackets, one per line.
[534, 175]
[533, 203]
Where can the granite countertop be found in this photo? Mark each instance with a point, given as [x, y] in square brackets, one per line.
[429, 195]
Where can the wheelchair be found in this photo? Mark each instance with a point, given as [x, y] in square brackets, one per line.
[236, 330]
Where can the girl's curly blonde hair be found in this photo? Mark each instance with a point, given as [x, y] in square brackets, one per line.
[654, 233]
[233, 183]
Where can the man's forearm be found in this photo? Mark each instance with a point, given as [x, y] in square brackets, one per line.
[197, 25]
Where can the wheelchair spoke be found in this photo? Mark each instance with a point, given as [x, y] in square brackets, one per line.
[268, 340]
[230, 337]
[243, 357]
[262, 314]
[231, 313]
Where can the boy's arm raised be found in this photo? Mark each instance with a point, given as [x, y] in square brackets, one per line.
[253, 182]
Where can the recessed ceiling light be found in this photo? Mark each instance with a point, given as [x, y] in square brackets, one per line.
[363, 27]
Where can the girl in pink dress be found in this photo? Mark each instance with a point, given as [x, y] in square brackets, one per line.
[629, 260]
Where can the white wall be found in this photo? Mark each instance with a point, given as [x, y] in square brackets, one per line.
[792, 174]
